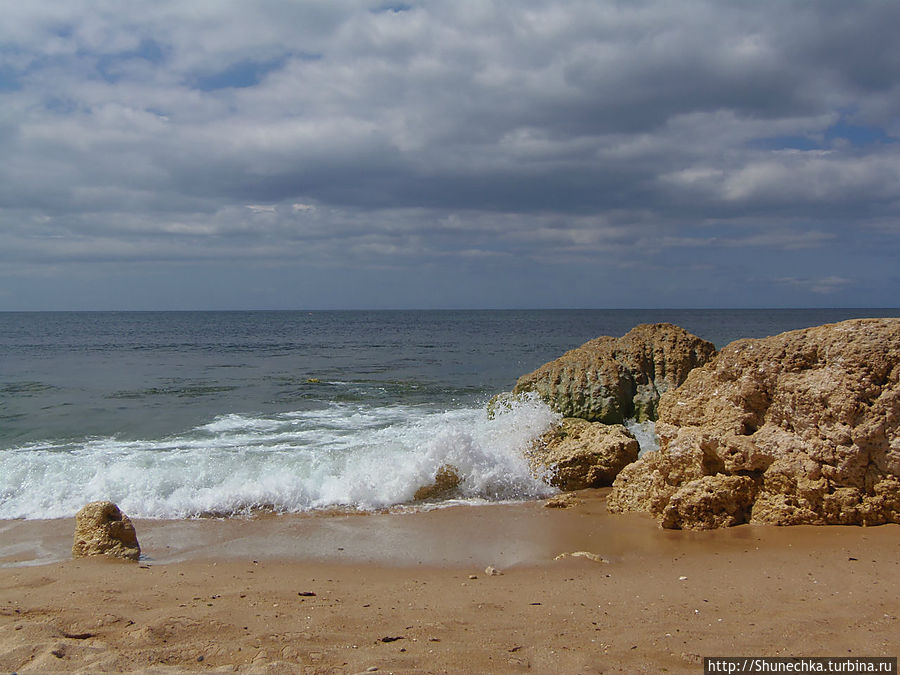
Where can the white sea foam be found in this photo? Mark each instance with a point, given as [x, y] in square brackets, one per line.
[645, 433]
[344, 455]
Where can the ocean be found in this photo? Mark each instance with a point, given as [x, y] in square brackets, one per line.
[187, 414]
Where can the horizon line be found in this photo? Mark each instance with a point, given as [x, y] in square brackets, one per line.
[449, 309]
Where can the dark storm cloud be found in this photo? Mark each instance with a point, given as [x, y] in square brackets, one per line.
[614, 136]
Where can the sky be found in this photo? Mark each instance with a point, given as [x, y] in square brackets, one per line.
[283, 154]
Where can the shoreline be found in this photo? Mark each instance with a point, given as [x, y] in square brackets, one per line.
[394, 591]
[447, 536]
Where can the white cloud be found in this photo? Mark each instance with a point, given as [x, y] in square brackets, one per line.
[535, 130]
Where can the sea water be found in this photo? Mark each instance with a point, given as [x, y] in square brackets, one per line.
[183, 414]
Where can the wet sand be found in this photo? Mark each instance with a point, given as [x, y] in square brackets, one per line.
[346, 593]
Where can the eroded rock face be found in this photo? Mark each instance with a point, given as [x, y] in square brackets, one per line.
[102, 529]
[709, 502]
[613, 379]
[579, 454]
[811, 418]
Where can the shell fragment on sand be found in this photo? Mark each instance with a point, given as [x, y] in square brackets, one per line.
[587, 555]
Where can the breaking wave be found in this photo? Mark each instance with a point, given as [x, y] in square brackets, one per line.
[343, 455]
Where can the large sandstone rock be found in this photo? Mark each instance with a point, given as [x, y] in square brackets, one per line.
[811, 418]
[709, 502]
[613, 379]
[102, 529]
[579, 454]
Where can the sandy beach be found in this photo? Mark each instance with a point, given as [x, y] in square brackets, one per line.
[409, 593]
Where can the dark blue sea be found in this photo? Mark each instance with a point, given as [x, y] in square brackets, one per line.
[180, 414]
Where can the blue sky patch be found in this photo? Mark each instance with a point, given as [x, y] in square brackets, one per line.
[238, 75]
[395, 7]
[9, 80]
[856, 134]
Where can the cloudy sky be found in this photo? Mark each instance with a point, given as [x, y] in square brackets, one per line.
[460, 153]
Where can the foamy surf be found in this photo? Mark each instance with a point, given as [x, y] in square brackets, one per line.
[350, 456]
[645, 433]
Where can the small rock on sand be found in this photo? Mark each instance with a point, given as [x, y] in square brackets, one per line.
[566, 500]
[102, 529]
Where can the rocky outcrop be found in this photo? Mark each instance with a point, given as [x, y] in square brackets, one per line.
[799, 428]
[102, 529]
[613, 379]
[446, 479]
[709, 502]
[579, 454]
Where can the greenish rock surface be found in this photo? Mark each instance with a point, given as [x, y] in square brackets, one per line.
[611, 380]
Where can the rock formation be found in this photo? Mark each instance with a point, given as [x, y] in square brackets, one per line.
[579, 454]
[799, 428]
[445, 479]
[613, 379]
[102, 529]
[709, 502]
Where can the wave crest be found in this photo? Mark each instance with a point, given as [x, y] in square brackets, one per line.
[341, 456]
